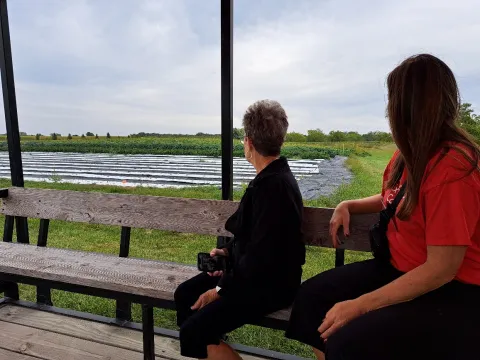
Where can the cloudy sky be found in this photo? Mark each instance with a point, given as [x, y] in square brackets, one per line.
[154, 65]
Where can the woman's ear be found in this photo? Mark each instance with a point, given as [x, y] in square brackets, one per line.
[250, 144]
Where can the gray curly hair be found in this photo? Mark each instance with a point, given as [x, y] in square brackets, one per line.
[266, 125]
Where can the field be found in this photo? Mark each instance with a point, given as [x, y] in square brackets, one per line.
[139, 170]
[170, 246]
[176, 145]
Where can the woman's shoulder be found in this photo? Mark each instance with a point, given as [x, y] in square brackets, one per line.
[388, 168]
[274, 182]
[453, 162]
[277, 188]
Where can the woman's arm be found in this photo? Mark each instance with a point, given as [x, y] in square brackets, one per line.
[341, 215]
[451, 211]
[369, 205]
[440, 268]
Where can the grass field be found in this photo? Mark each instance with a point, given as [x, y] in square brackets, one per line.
[170, 246]
[177, 145]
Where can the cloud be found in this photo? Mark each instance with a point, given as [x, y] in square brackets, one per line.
[154, 66]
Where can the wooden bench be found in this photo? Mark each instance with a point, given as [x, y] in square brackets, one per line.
[147, 282]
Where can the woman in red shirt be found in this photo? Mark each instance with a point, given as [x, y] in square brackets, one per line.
[422, 299]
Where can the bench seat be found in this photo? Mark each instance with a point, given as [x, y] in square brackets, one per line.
[143, 280]
[128, 280]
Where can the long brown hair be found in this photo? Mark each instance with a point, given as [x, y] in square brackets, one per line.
[423, 108]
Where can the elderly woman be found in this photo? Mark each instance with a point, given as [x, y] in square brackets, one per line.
[420, 297]
[266, 254]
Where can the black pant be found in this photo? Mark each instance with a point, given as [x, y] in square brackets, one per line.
[443, 324]
[198, 329]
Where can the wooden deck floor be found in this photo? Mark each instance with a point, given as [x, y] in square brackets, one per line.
[27, 334]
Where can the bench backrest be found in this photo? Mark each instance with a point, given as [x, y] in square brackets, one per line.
[164, 213]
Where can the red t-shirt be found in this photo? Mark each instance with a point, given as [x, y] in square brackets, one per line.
[448, 213]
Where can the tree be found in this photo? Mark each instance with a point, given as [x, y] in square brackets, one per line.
[377, 136]
[238, 133]
[337, 136]
[467, 116]
[83, 136]
[38, 136]
[295, 137]
[90, 133]
[54, 136]
[69, 137]
[353, 136]
[96, 136]
[108, 135]
[316, 136]
[469, 121]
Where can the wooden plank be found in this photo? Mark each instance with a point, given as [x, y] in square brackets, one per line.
[316, 229]
[154, 279]
[88, 330]
[48, 345]
[176, 214]
[150, 278]
[8, 355]
[152, 212]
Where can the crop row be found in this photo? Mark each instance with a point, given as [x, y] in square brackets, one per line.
[207, 148]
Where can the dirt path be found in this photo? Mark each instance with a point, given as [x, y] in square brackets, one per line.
[332, 174]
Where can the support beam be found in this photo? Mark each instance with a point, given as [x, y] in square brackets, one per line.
[124, 308]
[148, 333]
[339, 257]
[227, 97]
[13, 132]
[43, 292]
[8, 228]
[226, 28]
[11, 116]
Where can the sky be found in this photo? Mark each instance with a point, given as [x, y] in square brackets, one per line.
[127, 66]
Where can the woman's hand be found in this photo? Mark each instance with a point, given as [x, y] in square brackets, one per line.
[205, 299]
[218, 252]
[339, 315]
[340, 217]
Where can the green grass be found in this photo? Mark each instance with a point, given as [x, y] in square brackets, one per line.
[170, 246]
[177, 145]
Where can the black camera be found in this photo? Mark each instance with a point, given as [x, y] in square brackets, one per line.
[207, 263]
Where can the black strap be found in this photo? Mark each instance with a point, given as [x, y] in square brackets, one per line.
[392, 208]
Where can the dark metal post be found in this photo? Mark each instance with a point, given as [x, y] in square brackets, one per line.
[148, 333]
[13, 132]
[227, 97]
[124, 308]
[8, 229]
[43, 292]
[11, 116]
[339, 257]
[226, 28]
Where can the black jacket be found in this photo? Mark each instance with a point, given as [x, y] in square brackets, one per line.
[267, 251]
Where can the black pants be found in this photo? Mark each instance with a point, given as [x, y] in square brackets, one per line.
[206, 326]
[443, 324]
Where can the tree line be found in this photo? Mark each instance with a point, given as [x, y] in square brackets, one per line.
[318, 135]
[468, 120]
[56, 136]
